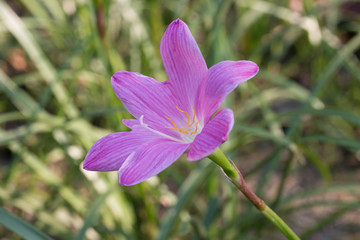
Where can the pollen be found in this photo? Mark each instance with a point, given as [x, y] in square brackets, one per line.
[186, 129]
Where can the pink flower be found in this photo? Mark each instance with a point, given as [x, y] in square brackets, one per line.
[172, 117]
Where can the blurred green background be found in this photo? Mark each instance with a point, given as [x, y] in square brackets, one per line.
[296, 134]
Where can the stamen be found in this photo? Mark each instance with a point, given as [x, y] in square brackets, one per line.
[187, 115]
[184, 131]
[195, 128]
[186, 128]
[193, 120]
[175, 127]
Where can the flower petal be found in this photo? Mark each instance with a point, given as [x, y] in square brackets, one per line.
[131, 123]
[110, 152]
[212, 136]
[222, 79]
[144, 96]
[183, 62]
[149, 160]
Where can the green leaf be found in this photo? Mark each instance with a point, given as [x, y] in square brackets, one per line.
[262, 133]
[20, 227]
[186, 192]
[92, 214]
[350, 143]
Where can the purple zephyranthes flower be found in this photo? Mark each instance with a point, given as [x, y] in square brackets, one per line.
[171, 117]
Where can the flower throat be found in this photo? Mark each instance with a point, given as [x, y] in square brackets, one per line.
[187, 128]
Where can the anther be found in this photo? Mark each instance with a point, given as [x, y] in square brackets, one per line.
[187, 115]
[196, 125]
[186, 128]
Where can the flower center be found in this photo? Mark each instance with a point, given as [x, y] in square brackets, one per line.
[189, 128]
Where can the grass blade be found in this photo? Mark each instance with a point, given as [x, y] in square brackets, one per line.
[21, 227]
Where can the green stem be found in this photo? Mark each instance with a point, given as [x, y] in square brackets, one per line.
[234, 175]
[220, 159]
[279, 223]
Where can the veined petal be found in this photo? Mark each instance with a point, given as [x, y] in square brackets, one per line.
[183, 62]
[131, 123]
[144, 96]
[222, 79]
[212, 136]
[149, 160]
[110, 152]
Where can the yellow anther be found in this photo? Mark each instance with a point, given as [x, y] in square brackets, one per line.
[185, 129]
[195, 128]
[187, 115]
[175, 127]
[193, 120]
